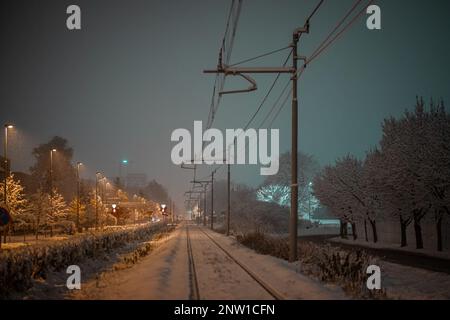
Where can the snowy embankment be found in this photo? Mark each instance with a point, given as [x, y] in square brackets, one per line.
[405, 282]
[22, 268]
[390, 246]
[402, 282]
[280, 274]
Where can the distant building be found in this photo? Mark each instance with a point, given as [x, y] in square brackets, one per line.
[136, 180]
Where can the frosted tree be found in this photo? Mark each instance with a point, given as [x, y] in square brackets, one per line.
[345, 189]
[72, 211]
[276, 189]
[16, 203]
[416, 154]
[47, 210]
[329, 192]
[274, 193]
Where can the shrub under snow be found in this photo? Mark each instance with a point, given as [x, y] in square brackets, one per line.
[347, 268]
[19, 268]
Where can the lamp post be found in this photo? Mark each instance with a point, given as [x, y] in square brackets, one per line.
[6, 164]
[51, 180]
[79, 164]
[309, 200]
[97, 175]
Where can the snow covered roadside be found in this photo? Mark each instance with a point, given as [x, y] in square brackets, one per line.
[389, 246]
[53, 285]
[402, 282]
[280, 274]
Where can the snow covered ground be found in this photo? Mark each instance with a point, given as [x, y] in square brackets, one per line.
[402, 282]
[391, 246]
[165, 274]
[161, 275]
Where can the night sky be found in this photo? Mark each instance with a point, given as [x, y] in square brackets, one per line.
[117, 88]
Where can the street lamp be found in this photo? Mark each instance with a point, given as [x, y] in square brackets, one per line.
[51, 180]
[79, 164]
[97, 175]
[309, 200]
[7, 165]
[51, 170]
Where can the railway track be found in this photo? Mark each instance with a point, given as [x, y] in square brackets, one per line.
[194, 284]
[194, 291]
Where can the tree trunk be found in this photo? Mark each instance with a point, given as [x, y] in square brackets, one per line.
[365, 230]
[418, 232]
[345, 230]
[439, 233]
[341, 228]
[403, 226]
[355, 236]
[373, 224]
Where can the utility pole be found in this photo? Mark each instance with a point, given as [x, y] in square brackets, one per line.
[204, 205]
[226, 70]
[294, 161]
[228, 199]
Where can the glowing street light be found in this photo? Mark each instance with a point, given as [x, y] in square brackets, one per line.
[51, 179]
[97, 175]
[7, 165]
[79, 164]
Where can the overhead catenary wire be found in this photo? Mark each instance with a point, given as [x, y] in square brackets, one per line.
[312, 14]
[326, 44]
[260, 56]
[224, 57]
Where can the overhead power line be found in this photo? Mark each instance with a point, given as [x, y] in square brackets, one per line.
[329, 40]
[259, 56]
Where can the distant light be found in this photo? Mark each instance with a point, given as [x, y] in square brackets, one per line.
[163, 206]
[9, 126]
[124, 161]
[53, 150]
[114, 206]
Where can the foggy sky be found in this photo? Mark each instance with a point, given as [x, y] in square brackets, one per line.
[117, 88]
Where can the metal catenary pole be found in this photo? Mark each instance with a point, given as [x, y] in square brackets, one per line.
[294, 133]
[212, 200]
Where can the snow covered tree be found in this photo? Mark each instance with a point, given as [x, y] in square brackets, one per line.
[16, 203]
[416, 148]
[47, 210]
[64, 173]
[345, 190]
[277, 189]
[279, 194]
[72, 212]
[328, 190]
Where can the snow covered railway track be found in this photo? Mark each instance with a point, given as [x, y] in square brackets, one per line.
[194, 291]
[268, 288]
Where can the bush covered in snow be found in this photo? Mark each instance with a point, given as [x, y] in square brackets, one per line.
[347, 268]
[19, 268]
[261, 243]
